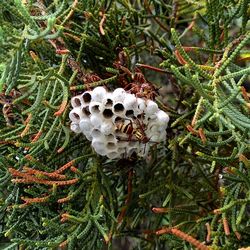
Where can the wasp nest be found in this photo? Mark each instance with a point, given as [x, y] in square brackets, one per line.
[118, 123]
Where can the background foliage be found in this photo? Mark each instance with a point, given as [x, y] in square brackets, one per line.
[55, 191]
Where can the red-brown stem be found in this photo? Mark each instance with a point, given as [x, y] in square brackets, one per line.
[151, 68]
[62, 200]
[208, 238]
[245, 94]
[159, 210]
[26, 130]
[63, 244]
[238, 235]
[64, 217]
[226, 226]
[102, 32]
[64, 167]
[192, 130]
[61, 109]
[39, 172]
[179, 57]
[28, 119]
[202, 136]
[62, 51]
[31, 179]
[29, 201]
[183, 236]
[37, 136]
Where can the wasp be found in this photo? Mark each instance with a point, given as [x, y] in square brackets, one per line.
[134, 82]
[134, 129]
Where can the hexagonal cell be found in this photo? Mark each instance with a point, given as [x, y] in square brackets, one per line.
[113, 155]
[98, 145]
[109, 103]
[107, 128]
[99, 94]
[96, 133]
[96, 121]
[119, 95]
[95, 107]
[111, 146]
[76, 115]
[129, 113]
[141, 104]
[85, 125]
[121, 150]
[86, 111]
[75, 128]
[111, 138]
[122, 144]
[130, 151]
[107, 113]
[101, 151]
[154, 138]
[118, 109]
[76, 101]
[86, 97]
[151, 108]
[162, 117]
[130, 102]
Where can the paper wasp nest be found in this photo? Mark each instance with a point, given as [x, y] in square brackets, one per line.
[118, 123]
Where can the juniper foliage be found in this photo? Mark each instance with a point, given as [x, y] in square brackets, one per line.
[56, 192]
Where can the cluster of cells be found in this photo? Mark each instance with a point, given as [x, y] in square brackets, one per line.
[118, 123]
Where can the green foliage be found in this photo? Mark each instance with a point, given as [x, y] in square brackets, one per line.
[55, 191]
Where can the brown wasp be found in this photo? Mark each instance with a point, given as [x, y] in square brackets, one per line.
[134, 83]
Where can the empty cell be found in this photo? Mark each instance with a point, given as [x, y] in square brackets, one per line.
[110, 138]
[76, 115]
[86, 97]
[117, 119]
[111, 145]
[86, 111]
[118, 108]
[107, 113]
[109, 102]
[95, 107]
[99, 94]
[96, 133]
[129, 113]
[76, 102]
